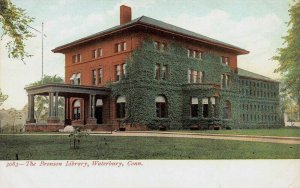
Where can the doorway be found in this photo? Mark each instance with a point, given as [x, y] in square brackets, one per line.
[99, 111]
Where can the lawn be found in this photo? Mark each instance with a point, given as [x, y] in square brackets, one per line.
[56, 147]
[286, 132]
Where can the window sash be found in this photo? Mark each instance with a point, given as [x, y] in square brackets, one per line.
[157, 71]
[99, 76]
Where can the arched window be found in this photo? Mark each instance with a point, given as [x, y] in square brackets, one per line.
[227, 110]
[161, 107]
[76, 110]
[120, 107]
[194, 106]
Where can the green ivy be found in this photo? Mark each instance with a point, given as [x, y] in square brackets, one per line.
[140, 88]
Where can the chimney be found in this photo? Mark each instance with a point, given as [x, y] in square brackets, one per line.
[125, 14]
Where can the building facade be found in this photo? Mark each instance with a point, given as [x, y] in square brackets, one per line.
[146, 74]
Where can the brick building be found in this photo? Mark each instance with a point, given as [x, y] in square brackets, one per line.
[147, 74]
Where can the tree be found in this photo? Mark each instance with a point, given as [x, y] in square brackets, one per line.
[3, 97]
[42, 102]
[15, 24]
[288, 57]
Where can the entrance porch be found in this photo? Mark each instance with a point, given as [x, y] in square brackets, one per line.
[84, 106]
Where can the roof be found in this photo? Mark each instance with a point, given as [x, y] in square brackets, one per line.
[248, 74]
[154, 24]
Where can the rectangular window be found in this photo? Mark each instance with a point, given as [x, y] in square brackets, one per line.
[200, 55]
[156, 47]
[189, 75]
[94, 54]
[194, 107]
[195, 75]
[200, 78]
[99, 52]
[157, 71]
[188, 52]
[124, 46]
[119, 47]
[205, 107]
[160, 46]
[164, 72]
[163, 47]
[74, 58]
[100, 76]
[78, 58]
[117, 72]
[75, 79]
[120, 110]
[225, 60]
[123, 71]
[194, 53]
[94, 77]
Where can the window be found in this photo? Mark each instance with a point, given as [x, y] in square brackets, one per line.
[123, 71]
[157, 71]
[194, 106]
[200, 78]
[120, 107]
[94, 77]
[190, 76]
[76, 58]
[164, 72]
[117, 72]
[205, 107]
[160, 46]
[119, 47]
[227, 110]
[194, 53]
[225, 81]
[161, 107]
[214, 107]
[76, 110]
[100, 75]
[195, 75]
[97, 53]
[156, 45]
[225, 60]
[75, 79]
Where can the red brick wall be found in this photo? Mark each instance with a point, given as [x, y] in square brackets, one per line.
[110, 58]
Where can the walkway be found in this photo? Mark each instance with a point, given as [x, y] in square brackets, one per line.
[251, 138]
[271, 139]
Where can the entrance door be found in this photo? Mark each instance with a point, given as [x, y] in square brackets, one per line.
[98, 111]
[98, 114]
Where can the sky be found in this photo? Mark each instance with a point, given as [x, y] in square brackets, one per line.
[254, 25]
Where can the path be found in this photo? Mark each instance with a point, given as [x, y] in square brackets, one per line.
[252, 138]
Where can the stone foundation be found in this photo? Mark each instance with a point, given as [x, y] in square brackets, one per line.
[50, 127]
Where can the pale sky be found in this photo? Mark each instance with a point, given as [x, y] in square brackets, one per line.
[255, 25]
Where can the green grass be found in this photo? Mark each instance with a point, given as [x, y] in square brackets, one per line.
[57, 147]
[286, 132]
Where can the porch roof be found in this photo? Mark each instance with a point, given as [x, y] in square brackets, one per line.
[67, 90]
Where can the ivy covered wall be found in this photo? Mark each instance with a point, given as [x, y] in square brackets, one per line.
[140, 88]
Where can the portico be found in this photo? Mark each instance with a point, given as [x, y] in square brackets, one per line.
[86, 96]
